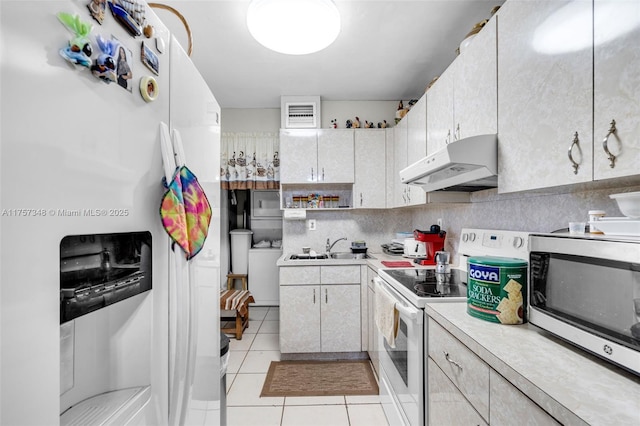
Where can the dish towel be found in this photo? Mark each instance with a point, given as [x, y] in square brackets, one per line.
[387, 316]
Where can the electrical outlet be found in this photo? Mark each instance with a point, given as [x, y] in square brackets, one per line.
[439, 222]
[311, 224]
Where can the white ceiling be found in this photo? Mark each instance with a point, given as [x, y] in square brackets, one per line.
[387, 50]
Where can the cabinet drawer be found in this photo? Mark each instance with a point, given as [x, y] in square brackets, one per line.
[347, 274]
[509, 405]
[446, 405]
[468, 372]
[292, 275]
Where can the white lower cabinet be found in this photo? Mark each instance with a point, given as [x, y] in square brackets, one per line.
[300, 318]
[509, 405]
[340, 318]
[465, 369]
[320, 309]
[446, 404]
[463, 389]
[371, 322]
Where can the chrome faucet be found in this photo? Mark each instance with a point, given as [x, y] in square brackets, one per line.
[330, 245]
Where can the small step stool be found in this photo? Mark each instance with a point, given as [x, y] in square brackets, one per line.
[231, 281]
[238, 301]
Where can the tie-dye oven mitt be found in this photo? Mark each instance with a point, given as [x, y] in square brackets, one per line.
[186, 212]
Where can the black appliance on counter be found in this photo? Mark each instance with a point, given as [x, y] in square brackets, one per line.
[101, 269]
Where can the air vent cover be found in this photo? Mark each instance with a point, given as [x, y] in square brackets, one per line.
[300, 112]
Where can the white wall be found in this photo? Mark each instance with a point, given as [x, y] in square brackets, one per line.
[268, 119]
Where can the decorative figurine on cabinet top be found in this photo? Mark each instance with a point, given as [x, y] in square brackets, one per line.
[349, 124]
[356, 123]
[79, 49]
[104, 66]
[334, 123]
[97, 8]
[383, 125]
[368, 125]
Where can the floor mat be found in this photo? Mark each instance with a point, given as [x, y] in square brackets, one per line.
[319, 378]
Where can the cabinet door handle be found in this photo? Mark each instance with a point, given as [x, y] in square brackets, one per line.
[314, 296]
[576, 142]
[446, 356]
[326, 296]
[404, 191]
[323, 174]
[361, 199]
[456, 135]
[612, 158]
[312, 178]
[448, 138]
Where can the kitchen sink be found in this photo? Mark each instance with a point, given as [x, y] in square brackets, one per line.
[306, 256]
[347, 255]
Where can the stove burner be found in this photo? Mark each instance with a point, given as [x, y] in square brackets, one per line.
[436, 285]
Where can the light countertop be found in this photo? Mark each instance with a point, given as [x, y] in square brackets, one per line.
[375, 261]
[569, 383]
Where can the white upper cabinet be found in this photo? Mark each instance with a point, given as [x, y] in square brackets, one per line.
[463, 101]
[369, 189]
[440, 111]
[617, 87]
[416, 146]
[475, 86]
[298, 156]
[335, 156]
[316, 156]
[545, 95]
[399, 162]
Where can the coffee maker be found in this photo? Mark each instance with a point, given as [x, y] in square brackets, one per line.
[433, 241]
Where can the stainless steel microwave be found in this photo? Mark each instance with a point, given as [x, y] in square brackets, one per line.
[586, 290]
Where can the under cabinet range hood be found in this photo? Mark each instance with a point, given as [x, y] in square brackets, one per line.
[467, 165]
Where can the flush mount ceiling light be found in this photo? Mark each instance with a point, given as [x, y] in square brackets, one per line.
[294, 27]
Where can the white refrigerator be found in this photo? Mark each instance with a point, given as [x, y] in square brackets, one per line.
[80, 157]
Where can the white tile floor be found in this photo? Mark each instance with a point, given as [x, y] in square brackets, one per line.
[248, 365]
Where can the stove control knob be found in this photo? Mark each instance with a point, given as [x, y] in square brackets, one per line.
[465, 237]
[518, 242]
[472, 236]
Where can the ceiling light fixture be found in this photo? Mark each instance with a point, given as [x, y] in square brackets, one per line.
[294, 27]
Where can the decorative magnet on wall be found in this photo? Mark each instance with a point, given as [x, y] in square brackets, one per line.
[126, 20]
[148, 88]
[149, 58]
[97, 8]
[104, 66]
[79, 49]
[148, 31]
[124, 68]
[159, 45]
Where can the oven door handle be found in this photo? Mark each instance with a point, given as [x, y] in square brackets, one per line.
[406, 310]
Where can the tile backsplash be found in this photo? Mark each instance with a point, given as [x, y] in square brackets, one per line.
[531, 211]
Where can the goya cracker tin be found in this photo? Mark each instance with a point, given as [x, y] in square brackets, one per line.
[497, 289]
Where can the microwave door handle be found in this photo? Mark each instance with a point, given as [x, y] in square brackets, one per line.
[404, 309]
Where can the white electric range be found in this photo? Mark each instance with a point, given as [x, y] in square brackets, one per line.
[402, 372]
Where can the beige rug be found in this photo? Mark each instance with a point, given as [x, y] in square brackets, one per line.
[319, 378]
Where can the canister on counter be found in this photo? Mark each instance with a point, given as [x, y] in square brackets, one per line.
[595, 216]
[497, 289]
